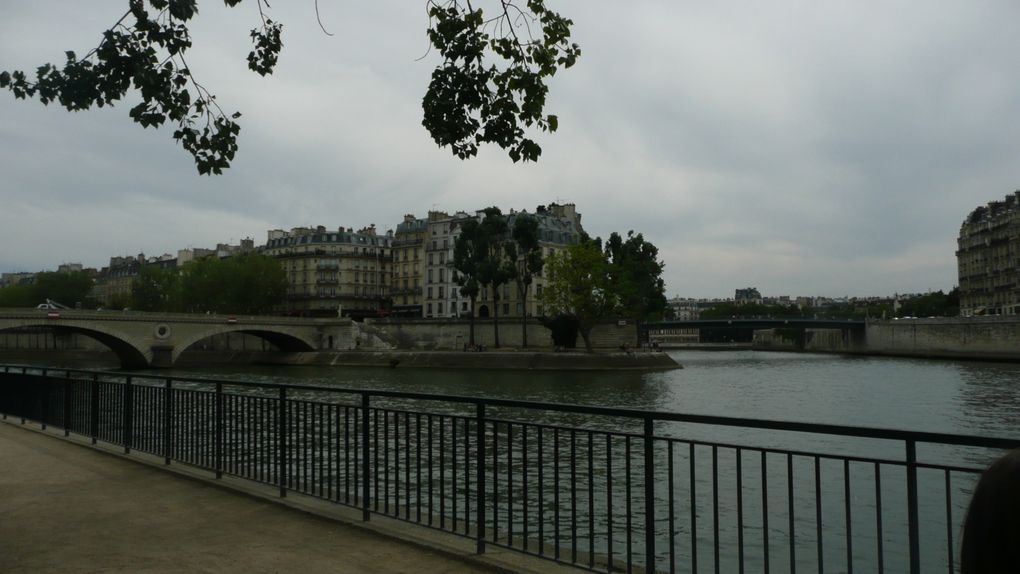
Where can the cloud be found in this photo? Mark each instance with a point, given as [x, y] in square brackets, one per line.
[802, 147]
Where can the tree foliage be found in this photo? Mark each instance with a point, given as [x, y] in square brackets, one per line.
[468, 252]
[490, 86]
[156, 289]
[937, 304]
[495, 266]
[580, 285]
[525, 253]
[636, 276]
[248, 284]
[68, 289]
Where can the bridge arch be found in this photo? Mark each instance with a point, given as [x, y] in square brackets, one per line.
[130, 356]
[288, 342]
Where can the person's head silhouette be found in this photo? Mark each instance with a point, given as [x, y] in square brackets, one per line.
[991, 531]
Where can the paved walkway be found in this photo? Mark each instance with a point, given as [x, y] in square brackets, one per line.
[67, 508]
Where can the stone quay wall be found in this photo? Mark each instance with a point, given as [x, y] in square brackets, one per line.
[996, 338]
[453, 334]
[990, 338]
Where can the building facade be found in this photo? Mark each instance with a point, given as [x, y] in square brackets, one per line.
[987, 257]
[334, 273]
[408, 269]
[441, 291]
[559, 226]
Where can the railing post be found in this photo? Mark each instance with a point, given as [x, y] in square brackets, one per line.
[45, 402]
[365, 452]
[649, 497]
[219, 430]
[168, 421]
[480, 477]
[281, 432]
[94, 408]
[912, 520]
[129, 415]
[67, 404]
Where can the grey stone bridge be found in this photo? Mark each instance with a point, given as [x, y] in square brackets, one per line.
[158, 339]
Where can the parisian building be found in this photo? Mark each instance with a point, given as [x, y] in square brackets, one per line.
[442, 293]
[408, 269]
[987, 259]
[334, 273]
[559, 226]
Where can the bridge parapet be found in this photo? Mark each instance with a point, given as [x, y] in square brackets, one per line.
[143, 339]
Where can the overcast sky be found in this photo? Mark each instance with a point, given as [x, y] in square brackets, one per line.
[801, 147]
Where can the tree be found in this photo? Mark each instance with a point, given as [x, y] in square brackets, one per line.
[495, 267]
[249, 284]
[636, 276]
[579, 285]
[527, 255]
[467, 254]
[489, 87]
[18, 296]
[156, 289]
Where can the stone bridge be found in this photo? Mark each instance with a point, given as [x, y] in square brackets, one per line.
[157, 339]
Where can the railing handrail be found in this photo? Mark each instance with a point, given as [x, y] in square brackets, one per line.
[766, 424]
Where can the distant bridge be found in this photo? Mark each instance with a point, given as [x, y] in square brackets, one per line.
[741, 328]
[843, 325]
[157, 339]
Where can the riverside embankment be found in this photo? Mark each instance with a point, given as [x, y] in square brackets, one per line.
[980, 338]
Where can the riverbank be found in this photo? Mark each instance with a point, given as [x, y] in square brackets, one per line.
[502, 360]
[499, 360]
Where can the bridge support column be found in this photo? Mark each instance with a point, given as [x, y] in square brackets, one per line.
[162, 356]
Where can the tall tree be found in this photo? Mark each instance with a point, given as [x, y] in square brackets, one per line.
[489, 87]
[66, 288]
[579, 285]
[637, 276]
[156, 289]
[526, 253]
[495, 267]
[467, 255]
[249, 284]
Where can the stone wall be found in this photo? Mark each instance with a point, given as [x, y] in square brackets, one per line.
[451, 334]
[957, 337]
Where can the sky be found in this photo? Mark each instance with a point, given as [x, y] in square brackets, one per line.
[800, 147]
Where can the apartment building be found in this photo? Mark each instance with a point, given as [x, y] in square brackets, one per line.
[987, 256]
[408, 268]
[330, 273]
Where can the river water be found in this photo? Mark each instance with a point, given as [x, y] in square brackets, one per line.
[966, 397]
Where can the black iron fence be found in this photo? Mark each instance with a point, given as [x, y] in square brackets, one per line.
[599, 488]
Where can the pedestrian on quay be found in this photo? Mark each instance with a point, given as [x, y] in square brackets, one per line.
[991, 531]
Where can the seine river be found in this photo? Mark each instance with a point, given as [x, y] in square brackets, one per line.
[967, 397]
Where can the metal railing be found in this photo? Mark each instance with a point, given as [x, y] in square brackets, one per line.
[602, 489]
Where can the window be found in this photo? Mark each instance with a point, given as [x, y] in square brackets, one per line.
[463, 306]
[446, 244]
[430, 259]
[428, 310]
[506, 309]
[430, 292]
[442, 274]
[439, 308]
[430, 276]
[442, 257]
[441, 292]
